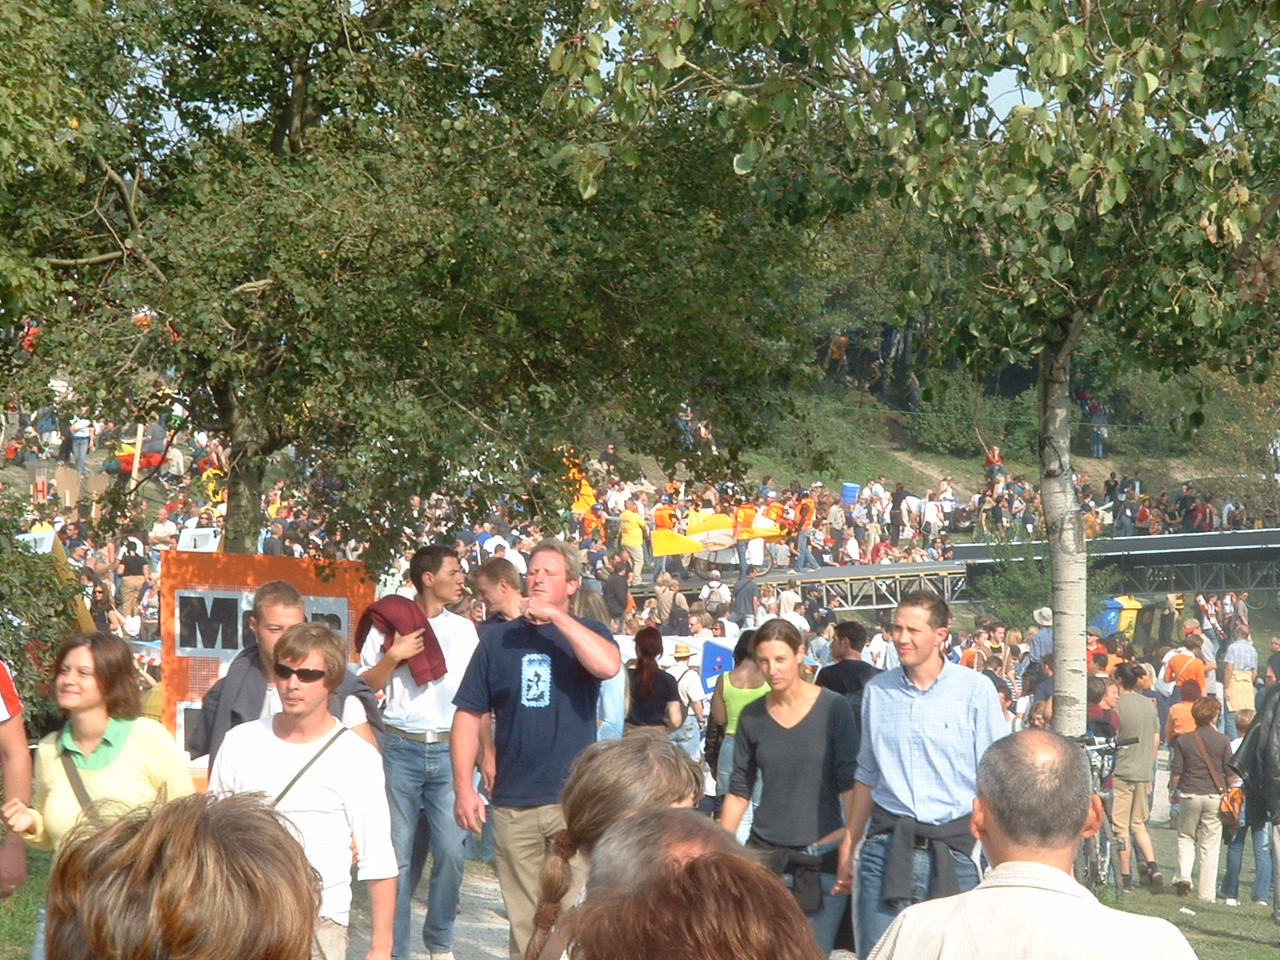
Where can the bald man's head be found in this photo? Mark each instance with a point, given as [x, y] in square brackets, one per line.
[1037, 787]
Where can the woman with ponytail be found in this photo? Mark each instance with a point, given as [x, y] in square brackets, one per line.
[654, 708]
[609, 780]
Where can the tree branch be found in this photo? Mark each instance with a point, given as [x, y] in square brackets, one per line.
[122, 190]
[252, 286]
[85, 261]
[127, 198]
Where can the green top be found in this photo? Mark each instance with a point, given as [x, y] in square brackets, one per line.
[113, 740]
[735, 700]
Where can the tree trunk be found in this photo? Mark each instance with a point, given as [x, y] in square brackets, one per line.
[1065, 532]
[246, 468]
[244, 502]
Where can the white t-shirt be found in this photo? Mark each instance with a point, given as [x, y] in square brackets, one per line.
[689, 684]
[418, 708]
[788, 600]
[10, 705]
[353, 712]
[160, 530]
[340, 798]
[797, 620]
[875, 651]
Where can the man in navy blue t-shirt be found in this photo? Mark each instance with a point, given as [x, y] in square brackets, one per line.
[539, 675]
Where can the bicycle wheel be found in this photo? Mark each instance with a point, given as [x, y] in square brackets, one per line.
[1084, 861]
[699, 566]
[1090, 872]
[1108, 861]
[767, 567]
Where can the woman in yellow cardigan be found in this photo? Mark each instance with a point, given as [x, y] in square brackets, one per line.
[117, 759]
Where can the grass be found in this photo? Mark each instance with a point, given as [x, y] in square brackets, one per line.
[855, 436]
[19, 913]
[851, 436]
[1214, 930]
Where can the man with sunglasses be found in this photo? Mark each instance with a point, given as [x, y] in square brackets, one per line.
[325, 780]
[248, 690]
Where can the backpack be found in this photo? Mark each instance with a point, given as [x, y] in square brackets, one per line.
[677, 622]
[717, 600]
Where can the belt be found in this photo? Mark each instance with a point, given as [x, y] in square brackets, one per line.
[431, 736]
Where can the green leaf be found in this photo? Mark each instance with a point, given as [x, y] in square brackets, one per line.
[1106, 199]
[669, 56]
[1121, 188]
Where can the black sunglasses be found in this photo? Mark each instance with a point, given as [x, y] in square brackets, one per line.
[284, 672]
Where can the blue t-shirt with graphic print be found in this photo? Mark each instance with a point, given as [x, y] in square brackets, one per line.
[543, 703]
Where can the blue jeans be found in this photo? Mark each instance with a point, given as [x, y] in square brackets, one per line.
[825, 921]
[724, 774]
[1230, 886]
[805, 559]
[688, 737]
[659, 567]
[420, 785]
[1229, 724]
[872, 915]
[480, 846]
[38, 943]
[79, 451]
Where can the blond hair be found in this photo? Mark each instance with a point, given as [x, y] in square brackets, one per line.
[609, 780]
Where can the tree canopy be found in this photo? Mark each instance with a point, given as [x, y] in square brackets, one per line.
[353, 239]
[1090, 164]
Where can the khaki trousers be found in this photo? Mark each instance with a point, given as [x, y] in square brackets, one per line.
[522, 839]
[1199, 838]
[130, 589]
[636, 554]
[330, 941]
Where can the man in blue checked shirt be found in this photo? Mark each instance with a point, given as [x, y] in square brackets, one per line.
[925, 726]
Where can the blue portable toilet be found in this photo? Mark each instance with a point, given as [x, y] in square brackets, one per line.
[1108, 621]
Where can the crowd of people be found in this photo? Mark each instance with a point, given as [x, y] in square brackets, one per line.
[614, 522]
[491, 704]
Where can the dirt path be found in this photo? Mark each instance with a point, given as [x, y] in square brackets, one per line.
[481, 929]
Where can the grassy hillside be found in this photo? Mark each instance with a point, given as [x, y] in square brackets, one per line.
[854, 436]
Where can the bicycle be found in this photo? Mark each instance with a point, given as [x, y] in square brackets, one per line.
[1096, 861]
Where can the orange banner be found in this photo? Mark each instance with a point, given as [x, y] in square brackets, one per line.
[205, 603]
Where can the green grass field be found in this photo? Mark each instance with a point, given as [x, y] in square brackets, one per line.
[19, 913]
[1214, 930]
